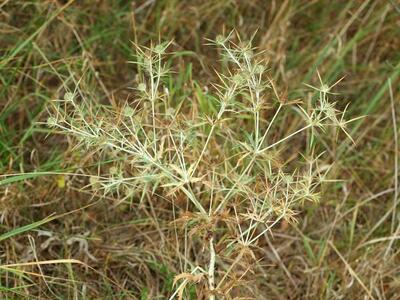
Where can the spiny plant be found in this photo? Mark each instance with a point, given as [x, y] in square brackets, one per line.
[220, 152]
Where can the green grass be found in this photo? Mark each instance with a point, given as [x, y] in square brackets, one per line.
[343, 246]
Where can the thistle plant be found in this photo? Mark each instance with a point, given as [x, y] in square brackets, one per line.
[220, 152]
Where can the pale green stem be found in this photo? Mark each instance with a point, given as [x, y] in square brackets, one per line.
[211, 270]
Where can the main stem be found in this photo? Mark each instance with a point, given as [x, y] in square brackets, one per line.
[211, 270]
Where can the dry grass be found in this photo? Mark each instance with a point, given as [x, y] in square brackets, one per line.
[152, 191]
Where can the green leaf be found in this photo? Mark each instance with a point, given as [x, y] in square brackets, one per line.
[25, 228]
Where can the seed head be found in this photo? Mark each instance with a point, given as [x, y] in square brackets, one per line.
[69, 96]
[129, 111]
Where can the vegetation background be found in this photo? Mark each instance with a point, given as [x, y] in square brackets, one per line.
[60, 241]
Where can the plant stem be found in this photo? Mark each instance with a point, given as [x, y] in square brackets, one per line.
[211, 270]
